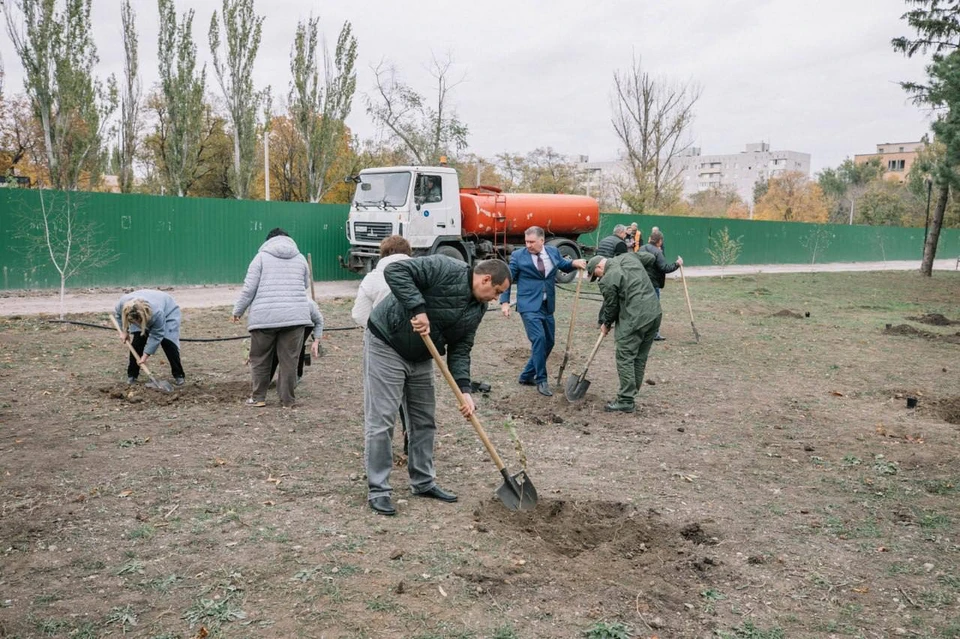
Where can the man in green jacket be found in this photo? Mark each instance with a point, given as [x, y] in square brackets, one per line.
[630, 302]
[445, 299]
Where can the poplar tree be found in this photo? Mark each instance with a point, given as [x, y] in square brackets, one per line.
[318, 111]
[58, 54]
[130, 101]
[234, 70]
[937, 26]
[182, 90]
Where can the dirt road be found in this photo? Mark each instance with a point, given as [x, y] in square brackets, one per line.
[92, 300]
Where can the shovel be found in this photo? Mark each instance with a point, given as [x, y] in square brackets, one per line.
[696, 333]
[573, 319]
[160, 385]
[577, 385]
[517, 491]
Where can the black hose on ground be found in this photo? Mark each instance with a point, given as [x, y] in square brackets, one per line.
[190, 339]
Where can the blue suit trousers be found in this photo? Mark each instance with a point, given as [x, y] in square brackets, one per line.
[540, 327]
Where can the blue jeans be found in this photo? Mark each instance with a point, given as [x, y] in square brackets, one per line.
[540, 328]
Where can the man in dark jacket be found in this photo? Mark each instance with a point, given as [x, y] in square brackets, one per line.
[658, 272]
[615, 244]
[629, 303]
[445, 299]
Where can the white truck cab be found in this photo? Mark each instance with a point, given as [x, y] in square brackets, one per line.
[421, 203]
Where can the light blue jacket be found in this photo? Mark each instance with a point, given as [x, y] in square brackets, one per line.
[164, 322]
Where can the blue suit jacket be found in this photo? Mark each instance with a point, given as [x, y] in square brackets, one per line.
[531, 286]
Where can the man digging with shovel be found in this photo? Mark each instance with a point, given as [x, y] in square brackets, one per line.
[435, 297]
[630, 302]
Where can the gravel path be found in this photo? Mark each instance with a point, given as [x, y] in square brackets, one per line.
[93, 300]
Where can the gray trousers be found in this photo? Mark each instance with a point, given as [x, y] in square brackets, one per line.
[287, 343]
[388, 381]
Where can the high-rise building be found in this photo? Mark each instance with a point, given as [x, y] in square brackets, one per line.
[739, 171]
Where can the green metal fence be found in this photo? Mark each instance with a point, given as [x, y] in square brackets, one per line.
[164, 241]
[169, 240]
[782, 242]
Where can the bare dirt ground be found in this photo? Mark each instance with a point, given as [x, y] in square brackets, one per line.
[773, 482]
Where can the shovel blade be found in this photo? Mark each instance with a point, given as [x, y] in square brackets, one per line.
[576, 388]
[159, 385]
[517, 491]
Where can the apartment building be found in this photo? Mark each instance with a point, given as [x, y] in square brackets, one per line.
[740, 171]
[896, 158]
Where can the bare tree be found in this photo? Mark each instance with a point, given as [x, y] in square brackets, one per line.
[62, 235]
[58, 56]
[651, 117]
[318, 112]
[425, 129]
[130, 102]
[234, 71]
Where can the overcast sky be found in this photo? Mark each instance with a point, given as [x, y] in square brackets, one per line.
[813, 76]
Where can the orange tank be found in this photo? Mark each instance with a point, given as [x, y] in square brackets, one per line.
[489, 213]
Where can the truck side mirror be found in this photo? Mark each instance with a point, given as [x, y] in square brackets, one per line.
[355, 179]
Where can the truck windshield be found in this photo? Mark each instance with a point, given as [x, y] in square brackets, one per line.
[383, 189]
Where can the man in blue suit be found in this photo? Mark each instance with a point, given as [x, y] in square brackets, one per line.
[534, 270]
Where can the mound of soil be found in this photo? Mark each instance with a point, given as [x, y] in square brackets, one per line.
[191, 393]
[571, 528]
[934, 319]
[786, 313]
[949, 410]
[909, 331]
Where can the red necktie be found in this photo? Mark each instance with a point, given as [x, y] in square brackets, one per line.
[540, 266]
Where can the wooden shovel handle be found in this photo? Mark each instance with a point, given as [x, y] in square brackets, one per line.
[482, 434]
[596, 347]
[133, 352]
[686, 293]
[573, 313]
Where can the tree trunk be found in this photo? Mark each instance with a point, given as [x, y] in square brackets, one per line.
[63, 292]
[933, 235]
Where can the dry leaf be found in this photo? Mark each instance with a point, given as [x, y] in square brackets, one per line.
[440, 588]
[837, 394]
[201, 634]
[861, 590]
[268, 503]
[125, 493]
[274, 480]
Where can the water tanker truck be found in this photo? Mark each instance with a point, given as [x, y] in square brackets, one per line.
[427, 206]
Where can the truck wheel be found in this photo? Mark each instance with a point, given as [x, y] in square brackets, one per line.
[569, 251]
[450, 251]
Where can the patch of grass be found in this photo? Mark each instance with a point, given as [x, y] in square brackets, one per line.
[950, 580]
[131, 443]
[712, 594]
[381, 605]
[749, 631]
[87, 630]
[933, 521]
[939, 486]
[213, 612]
[49, 626]
[305, 575]
[44, 599]
[851, 460]
[132, 567]
[162, 584]
[505, 631]
[608, 630]
[124, 617]
[145, 531]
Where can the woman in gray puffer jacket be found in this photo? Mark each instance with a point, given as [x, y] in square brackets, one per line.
[275, 290]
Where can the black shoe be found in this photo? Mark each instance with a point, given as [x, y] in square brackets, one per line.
[383, 506]
[544, 389]
[526, 382]
[621, 407]
[179, 381]
[438, 493]
[659, 338]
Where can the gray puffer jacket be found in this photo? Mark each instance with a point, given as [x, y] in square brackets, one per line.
[275, 288]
